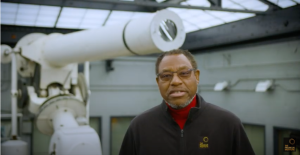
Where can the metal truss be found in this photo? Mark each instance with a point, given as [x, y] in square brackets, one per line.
[137, 5]
[280, 22]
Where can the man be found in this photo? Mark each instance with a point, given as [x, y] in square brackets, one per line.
[184, 124]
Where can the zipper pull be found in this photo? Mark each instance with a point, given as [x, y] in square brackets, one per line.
[182, 133]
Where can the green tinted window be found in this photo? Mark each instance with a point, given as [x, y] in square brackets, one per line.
[119, 126]
[256, 136]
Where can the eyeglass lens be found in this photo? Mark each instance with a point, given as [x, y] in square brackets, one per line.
[166, 76]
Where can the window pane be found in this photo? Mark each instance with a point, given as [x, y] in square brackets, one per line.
[256, 136]
[119, 126]
[95, 123]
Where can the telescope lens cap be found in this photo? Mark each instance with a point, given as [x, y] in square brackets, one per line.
[168, 30]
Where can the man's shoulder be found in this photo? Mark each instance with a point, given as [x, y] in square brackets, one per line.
[222, 114]
[150, 114]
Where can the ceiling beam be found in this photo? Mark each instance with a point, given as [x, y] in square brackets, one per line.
[123, 5]
[165, 5]
[174, 1]
[216, 3]
[272, 7]
[261, 26]
[84, 4]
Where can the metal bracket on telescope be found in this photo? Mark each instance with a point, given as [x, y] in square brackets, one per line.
[220, 86]
[108, 65]
[264, 86]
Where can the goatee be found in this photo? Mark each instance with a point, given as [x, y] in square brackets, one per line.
[174, 106]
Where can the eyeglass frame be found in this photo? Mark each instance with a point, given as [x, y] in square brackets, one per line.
[157, 75]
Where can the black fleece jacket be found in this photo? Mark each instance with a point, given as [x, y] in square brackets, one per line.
[209, 130]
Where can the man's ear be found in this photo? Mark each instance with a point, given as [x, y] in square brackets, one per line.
[157, 80]
[197, 74]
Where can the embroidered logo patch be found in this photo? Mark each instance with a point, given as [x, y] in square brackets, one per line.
[204, 143]
[205, 139]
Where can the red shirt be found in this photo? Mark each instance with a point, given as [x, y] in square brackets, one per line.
[181, 115]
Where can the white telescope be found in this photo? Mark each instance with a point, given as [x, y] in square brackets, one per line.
[159, 32]
[59, 95]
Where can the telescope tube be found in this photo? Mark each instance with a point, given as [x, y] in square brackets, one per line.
[158, 32]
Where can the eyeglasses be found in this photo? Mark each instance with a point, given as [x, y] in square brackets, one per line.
[183, 74]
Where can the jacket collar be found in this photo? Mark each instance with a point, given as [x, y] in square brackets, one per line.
[194, 112]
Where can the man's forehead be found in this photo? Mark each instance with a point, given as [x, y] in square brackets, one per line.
[174, 68]
[176, 61]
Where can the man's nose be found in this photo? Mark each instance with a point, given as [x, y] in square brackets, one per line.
[176, 79]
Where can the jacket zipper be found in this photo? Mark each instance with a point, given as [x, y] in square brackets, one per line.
[182, 143]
